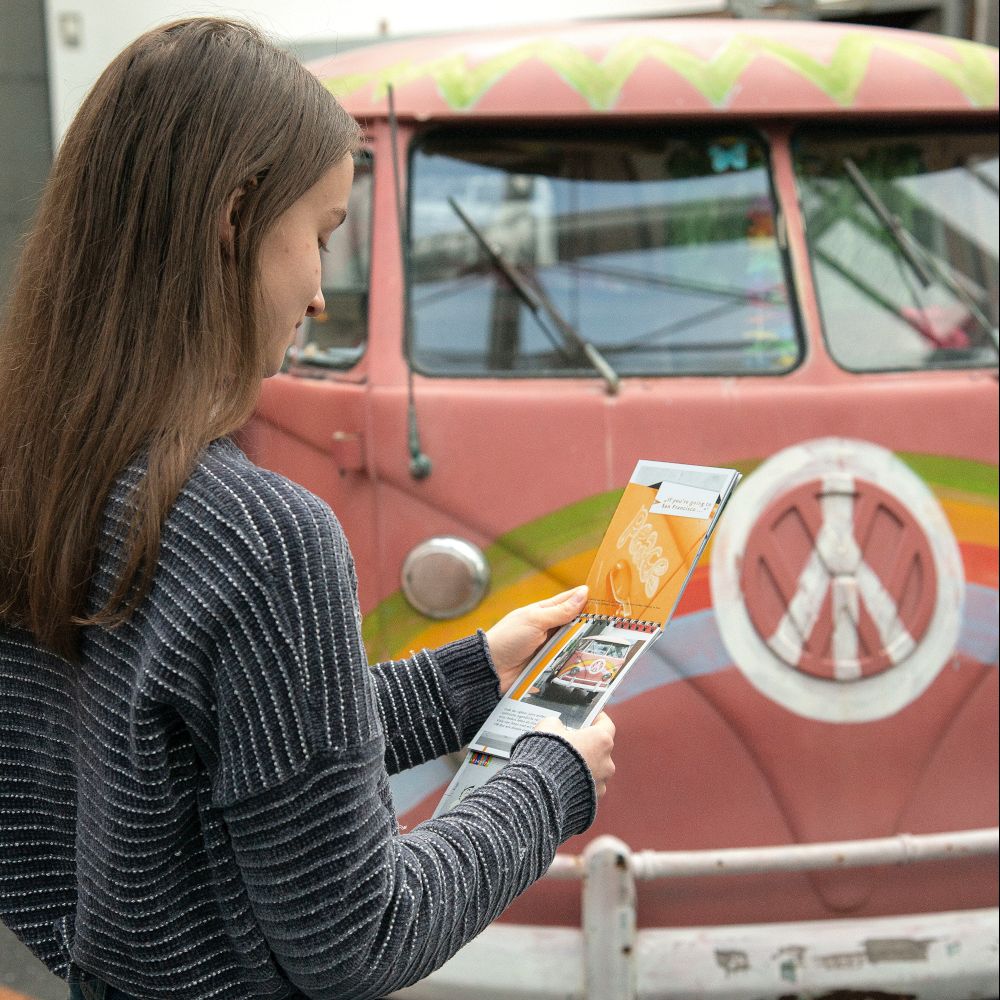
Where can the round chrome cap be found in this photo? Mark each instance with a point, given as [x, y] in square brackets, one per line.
[445, 577]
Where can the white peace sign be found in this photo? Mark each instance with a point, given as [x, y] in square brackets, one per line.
[837, 565]
[832, 642]
[842, 604]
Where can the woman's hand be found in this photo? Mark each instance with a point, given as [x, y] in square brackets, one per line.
[595, 744]
[517, 636]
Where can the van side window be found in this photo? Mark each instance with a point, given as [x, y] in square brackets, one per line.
[657, 247]
[902, 232]
[337, 337]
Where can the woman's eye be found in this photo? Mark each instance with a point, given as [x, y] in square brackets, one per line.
[323, 246]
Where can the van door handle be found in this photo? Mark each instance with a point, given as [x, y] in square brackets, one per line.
[348, 451]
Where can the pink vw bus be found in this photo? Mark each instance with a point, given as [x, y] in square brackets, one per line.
[768, 246]
[592, 666]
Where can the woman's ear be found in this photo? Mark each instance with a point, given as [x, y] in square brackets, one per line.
[229, 216]
[227, 220]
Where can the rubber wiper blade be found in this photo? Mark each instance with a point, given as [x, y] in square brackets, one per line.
[535, 298]
[924, 266]
[899, 233]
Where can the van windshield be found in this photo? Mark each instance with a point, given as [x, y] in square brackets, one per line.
[600, 647]
[660, 251]
[902, 232]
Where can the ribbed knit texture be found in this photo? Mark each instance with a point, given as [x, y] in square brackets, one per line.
[201, 808]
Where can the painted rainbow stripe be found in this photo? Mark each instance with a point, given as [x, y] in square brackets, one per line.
[555, 552]
[969, 68]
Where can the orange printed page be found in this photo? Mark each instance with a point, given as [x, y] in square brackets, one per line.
[646, 556]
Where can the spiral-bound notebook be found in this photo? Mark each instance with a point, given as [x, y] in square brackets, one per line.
[657, 534]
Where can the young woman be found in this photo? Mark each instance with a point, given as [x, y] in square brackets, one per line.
[193, 751]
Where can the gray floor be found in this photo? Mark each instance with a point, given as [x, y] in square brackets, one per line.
[22, 972]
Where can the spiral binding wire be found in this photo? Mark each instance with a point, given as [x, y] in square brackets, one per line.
[634, 624]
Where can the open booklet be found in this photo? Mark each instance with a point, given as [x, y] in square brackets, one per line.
[656, 536]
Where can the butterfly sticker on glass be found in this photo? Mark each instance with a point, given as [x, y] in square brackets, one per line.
[730, 157]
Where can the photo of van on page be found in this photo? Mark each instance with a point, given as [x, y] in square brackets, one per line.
[657, 534]
[571, 680]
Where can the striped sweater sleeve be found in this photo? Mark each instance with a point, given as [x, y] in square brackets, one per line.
[435, 701]
[351, 908]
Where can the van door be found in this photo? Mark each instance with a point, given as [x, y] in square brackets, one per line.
[554, 285]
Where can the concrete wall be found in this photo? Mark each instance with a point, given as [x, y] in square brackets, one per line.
[25, 134]
[25, 122]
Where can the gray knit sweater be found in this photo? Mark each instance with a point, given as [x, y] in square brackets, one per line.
[201, 808]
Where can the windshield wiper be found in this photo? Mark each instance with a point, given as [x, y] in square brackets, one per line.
[922, 263]
[535, 298]
[901, 236]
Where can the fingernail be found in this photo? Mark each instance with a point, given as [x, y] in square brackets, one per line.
[579, 594]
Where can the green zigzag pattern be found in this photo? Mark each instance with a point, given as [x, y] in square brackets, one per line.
[463, 85]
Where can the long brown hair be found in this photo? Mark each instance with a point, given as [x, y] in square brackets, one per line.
[131, 328]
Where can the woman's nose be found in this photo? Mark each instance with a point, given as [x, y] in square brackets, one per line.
[317, 305]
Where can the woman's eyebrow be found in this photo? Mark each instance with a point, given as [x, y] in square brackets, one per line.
[336, 216]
